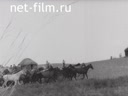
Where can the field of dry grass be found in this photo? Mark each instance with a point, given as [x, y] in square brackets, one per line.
[90, 87]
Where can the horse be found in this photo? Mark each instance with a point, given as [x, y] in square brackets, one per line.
[9, 83]
[6, 71]
[25, 78]
[69, 72]
[84, 70]
[50, 74]
[40, 69]
[13, 77]
[36, 76]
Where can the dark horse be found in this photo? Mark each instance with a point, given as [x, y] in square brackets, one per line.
[84, 70]
[25, 78]
[69, 72]
[48, 75]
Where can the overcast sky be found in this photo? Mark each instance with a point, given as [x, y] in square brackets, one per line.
[94, 30]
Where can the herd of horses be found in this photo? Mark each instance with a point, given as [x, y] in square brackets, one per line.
[41, 75]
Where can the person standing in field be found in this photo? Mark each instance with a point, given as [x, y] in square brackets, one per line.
[64, 64]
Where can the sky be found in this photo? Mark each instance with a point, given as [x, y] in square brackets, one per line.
[94, 30]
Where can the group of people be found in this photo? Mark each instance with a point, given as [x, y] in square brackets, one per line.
[46, 74]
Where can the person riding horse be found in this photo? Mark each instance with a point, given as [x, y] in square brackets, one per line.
[48, 66]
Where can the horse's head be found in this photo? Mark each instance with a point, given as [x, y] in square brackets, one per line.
[90, 65]
[6, 71]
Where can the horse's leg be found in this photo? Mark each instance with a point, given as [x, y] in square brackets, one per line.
[86, 75]
[75, 78]
[54, 79]
[78, 75]
[48, 80]
[18, 82]
[41, 80]
[70, 77]
[5, 83]
[75, 75]
[83, 76]
[15, 82]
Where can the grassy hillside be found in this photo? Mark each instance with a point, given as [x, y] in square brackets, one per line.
[109, 68]
[91, 87]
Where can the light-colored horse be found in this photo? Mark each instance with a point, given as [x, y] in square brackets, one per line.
[13, 77]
